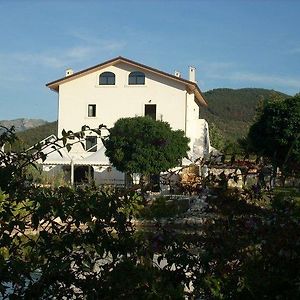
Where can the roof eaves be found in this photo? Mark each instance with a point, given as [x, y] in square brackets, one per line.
[126, 60]
[83, 71]
[203, 101]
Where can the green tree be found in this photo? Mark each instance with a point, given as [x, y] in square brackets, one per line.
[77, 243]
[216, 137]
[276, 133]
[72, 243]
[233, 110]
[143, 145]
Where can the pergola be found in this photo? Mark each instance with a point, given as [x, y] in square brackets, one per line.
[60, 156]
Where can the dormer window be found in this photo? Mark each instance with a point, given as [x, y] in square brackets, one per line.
[136, 78]
[107, 78]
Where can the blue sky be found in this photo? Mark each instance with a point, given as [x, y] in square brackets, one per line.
[232, 44]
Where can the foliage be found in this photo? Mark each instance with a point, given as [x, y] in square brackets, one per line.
[55, 178]
[84, 248]
[162, 207]
[233, 148]
[216, 137]
[80, 243]
[276, 134]
[143, 145]
[233, 110]
[29, 137]
[133, 205]
[252, 253]
[72, 242]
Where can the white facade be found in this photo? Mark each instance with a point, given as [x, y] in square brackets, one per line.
[119, 100]
[177, 102]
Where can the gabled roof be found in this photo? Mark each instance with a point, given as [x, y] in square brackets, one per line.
[190, 86]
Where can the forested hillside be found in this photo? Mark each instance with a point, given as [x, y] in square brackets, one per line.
[31, 136]
[233, 110]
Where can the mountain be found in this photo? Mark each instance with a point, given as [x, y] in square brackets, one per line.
[22, 124]
[233, 110]
[31, 136]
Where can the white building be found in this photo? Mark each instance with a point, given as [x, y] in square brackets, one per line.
[124, 88]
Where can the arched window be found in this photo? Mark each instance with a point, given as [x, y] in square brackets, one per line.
[107, 78]
[136, 78]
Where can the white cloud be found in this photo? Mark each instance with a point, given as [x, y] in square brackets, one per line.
[30, 59]
[230, 71]
[45, 59]
[12, 78]
[96, 42]
[270, 79]
[295, 50]
[85, 48]
[213, 66]
[78, 53]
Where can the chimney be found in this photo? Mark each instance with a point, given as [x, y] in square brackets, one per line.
[177, 74]
[69, 72]
[192, 74]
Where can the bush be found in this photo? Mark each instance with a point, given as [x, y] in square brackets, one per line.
[70, 242]
[162, 207]
[145, 146]
[80, 243]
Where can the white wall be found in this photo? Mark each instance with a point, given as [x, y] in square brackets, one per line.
[120, 100]
[197, 131]
[173, 105]
[200, 142]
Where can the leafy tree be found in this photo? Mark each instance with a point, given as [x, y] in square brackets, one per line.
[248, 251]
[143, 145]
[73, 243]
[233, 110]
[276, 133]
[80, 243]
[216, 137]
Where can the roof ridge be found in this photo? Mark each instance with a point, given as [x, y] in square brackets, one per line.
[121, 58]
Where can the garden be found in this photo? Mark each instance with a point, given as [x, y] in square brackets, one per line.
[87, 242]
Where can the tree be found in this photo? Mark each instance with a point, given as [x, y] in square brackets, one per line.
[216, 137]
[72, 243]
[276, 133]
[143, 145]
[77, 243]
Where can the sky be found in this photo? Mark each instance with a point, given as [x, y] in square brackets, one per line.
[232, 44]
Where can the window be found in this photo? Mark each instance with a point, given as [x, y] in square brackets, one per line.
[136, 78]
[107, 78]
[150, 110]
[92, 110]
[91, 143]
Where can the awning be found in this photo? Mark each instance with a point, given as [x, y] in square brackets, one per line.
[56, 159]
[97, 158]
